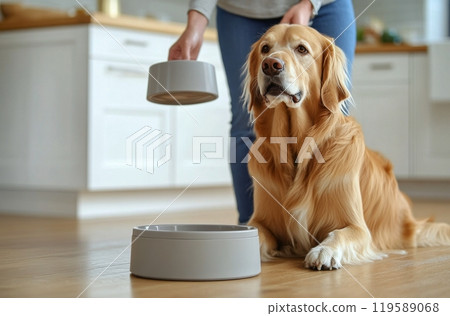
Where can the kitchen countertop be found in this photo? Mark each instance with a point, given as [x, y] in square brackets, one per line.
[125, 21]
[389, 48]
[174, 28]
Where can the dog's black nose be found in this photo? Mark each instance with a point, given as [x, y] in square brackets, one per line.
[272, 66]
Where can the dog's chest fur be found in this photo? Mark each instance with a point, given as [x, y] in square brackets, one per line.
[278, 173]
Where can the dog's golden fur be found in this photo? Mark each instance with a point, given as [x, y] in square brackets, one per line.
[347, 210]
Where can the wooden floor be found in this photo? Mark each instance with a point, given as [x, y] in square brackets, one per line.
[90, 258]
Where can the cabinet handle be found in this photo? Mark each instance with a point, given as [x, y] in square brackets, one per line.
[127, 72]
[381, 66]
[137, 43]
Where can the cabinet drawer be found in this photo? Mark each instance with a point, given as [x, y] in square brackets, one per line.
[117, 84]
[131, 46]
[381, 68]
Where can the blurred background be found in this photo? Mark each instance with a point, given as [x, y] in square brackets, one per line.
[72, 98]
[414, 20]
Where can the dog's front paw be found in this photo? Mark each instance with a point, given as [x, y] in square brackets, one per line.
[323, 258]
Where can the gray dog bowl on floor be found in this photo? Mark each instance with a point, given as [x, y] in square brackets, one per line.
[195, 252]
[181, 82]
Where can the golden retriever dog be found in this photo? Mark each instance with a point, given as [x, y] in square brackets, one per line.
[333, 200]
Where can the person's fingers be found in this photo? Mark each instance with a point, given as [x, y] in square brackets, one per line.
[171, 55]
[187, 47]
[178, 51]
[174, 53]
[185, 53]
[286, 18]
[300, 19]
[298, 14]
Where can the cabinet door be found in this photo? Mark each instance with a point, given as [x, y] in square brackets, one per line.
[431, 128]
[202, 137]
[202, 143]
[43, 108]
[383, 112]
[133, 46]
[129, 137]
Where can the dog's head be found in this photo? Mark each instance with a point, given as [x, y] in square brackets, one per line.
[294, 65]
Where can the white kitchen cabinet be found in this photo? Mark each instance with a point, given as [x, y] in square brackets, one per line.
[73, 99]
[430, 130]
[43, 108]
[205, 152]
[119, 110]
[394, 107]
[381, 93]
[119, 87]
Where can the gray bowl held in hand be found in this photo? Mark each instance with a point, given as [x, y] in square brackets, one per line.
[181, 82]
[195, 252]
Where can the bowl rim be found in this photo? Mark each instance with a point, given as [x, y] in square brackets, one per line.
[179, 61]
[194, 231]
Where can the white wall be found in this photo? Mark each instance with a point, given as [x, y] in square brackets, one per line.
[436, 20]
[417, 21]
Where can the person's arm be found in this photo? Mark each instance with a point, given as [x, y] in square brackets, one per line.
[302, 12]
[189, 44]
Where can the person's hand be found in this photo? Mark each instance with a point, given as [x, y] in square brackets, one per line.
[299, 14]
[189, 44]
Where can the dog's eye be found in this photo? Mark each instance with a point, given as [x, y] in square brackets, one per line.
[302, 50]
[265, 49]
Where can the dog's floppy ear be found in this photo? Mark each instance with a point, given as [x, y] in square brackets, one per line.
[334, 78]
[250, 93]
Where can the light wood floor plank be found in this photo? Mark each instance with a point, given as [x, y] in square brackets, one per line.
[42, 257]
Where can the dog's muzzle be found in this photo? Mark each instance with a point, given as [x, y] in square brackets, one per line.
[276, 90]
[273, 69]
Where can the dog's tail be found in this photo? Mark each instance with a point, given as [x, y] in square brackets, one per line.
[431, 234]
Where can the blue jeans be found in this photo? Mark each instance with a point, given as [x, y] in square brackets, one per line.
[236, 35]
